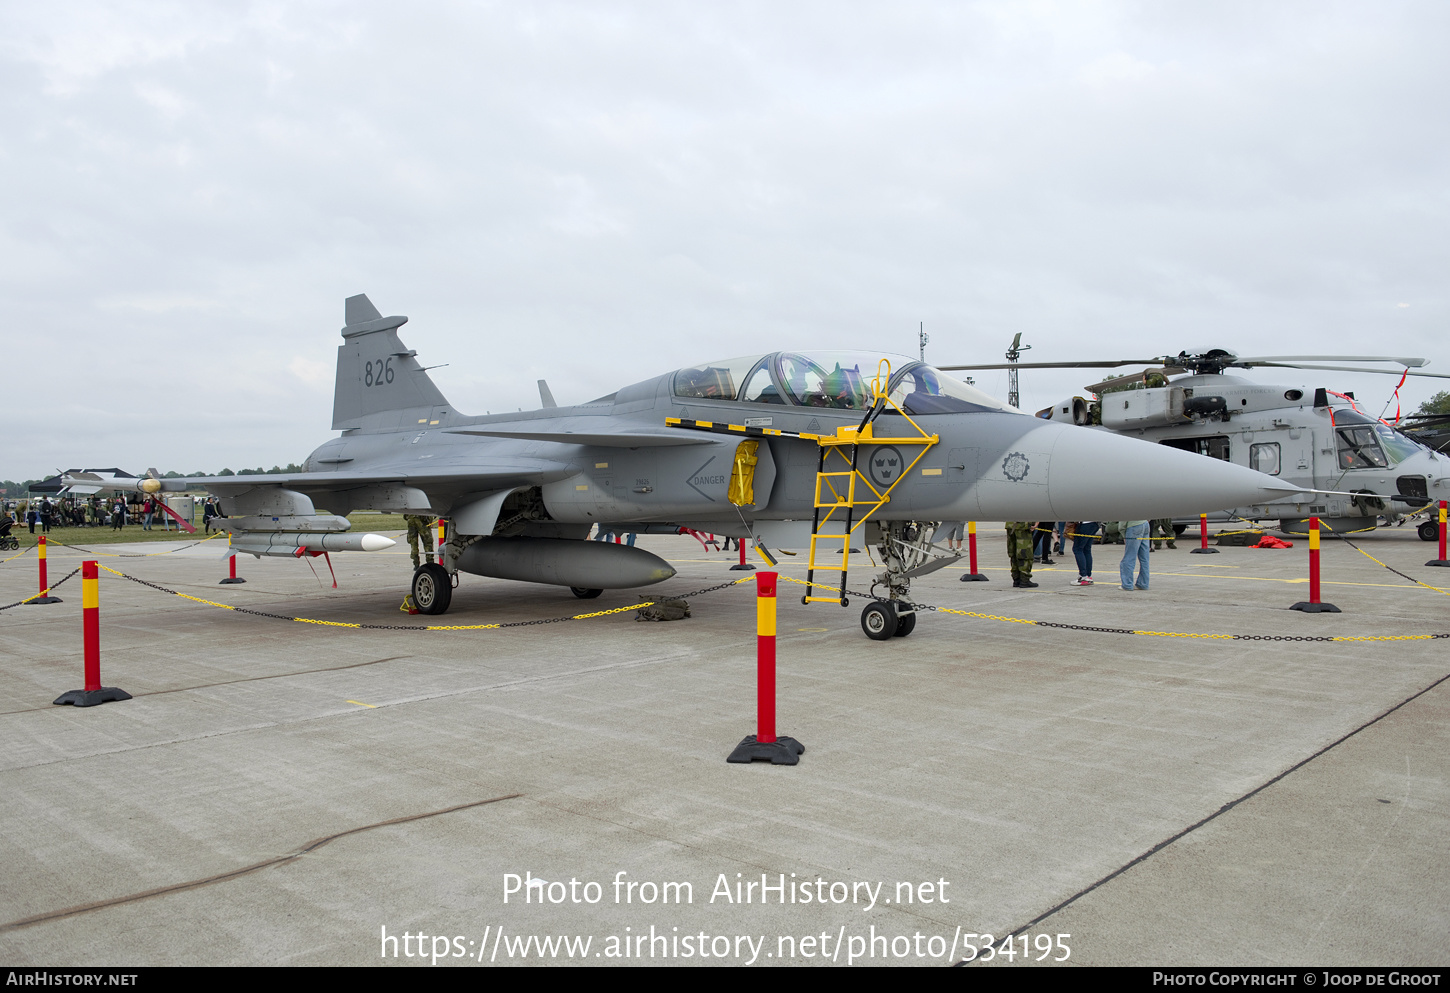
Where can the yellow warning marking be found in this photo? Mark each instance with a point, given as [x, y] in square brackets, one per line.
[601, 465]
[582, 488]
[361, 704]
[931, 472]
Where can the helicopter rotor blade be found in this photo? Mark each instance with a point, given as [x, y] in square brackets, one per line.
[1412, 363]
[1349, 368]
[1050, 365]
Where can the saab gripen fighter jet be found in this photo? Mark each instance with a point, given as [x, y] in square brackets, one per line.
[791, 449]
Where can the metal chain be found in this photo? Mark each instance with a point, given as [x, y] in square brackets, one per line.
[418, 627]
[42, 592]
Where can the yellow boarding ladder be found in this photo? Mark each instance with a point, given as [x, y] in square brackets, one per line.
[840, 492]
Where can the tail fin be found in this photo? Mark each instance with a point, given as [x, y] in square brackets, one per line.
[376, 374]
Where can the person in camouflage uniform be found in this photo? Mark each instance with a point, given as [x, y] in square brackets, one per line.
[420, 527]
[1019, 553]
[1160, 529]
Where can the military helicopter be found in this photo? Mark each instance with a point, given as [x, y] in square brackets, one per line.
[804, 449]
[1361, 466]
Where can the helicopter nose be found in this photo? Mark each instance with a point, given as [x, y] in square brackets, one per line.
[1096, 475]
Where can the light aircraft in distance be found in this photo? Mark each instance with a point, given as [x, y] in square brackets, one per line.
[792, 449]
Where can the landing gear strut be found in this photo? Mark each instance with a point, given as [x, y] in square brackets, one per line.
[906, 551]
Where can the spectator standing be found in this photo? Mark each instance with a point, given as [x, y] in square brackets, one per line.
[1135, 551]
[1083, 533]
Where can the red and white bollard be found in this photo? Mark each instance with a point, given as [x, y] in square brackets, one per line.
[1442, 560]
[1314, 606]
[45, 596]
[94, 692]
[1203, 548]
[764, 745]
[973, 576]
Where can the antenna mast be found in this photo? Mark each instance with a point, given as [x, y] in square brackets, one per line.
[922, 338]
[1013, 354]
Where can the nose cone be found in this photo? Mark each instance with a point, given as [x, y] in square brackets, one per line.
[1096, 475]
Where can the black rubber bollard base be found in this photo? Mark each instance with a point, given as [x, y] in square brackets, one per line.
[89, 698]
[231, 579]
[742, 567]
[46, 599]
[781, 751]
[1317, 608]
[1204, 551]
[973, 577]
[1441, 562]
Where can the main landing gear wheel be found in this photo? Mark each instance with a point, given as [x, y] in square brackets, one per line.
[1430, 531]
[584, 594]
[905, 623]
[432, 589]
[879, 621]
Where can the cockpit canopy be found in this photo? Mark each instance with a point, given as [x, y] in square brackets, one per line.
[841, 380]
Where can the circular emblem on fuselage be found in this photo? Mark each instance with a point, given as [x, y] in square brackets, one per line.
[1016, 467]
[885, 465]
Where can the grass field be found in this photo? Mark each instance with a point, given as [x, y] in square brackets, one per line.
[86, 537]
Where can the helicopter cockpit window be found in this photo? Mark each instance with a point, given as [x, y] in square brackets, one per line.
[714, 380]
[836, 381]
[1358, 448]
[1265, 458]
[1397, 446]
[920, 389]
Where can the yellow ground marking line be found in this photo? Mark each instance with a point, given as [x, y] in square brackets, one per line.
[425, 627]
[1300, 580]
[1151, 634]
[131, 555]
[1415, 581]
[361, 704]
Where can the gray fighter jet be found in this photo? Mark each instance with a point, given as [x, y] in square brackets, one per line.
[793, 449]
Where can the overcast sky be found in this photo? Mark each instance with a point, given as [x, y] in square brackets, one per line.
[594, 193]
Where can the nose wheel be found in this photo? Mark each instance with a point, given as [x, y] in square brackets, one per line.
[882, 621]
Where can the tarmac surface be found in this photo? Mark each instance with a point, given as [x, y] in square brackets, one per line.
[295, 793]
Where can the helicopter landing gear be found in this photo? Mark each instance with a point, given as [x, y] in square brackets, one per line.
[432, 589]
[1429, 531]
[584, 594]
[905, 623]
[879, 620]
